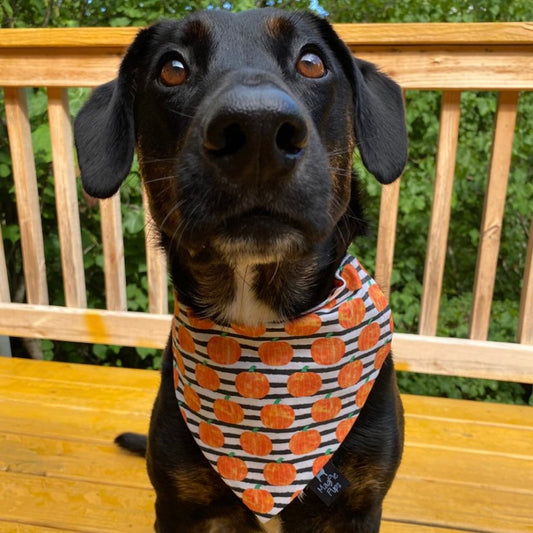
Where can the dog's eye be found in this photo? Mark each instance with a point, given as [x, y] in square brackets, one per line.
[174, 72]
[311, 66]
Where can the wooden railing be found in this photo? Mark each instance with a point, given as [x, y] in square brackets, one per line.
[446, 57]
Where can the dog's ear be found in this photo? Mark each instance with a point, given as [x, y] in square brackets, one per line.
[380, 130]
[105, 139]
[379, 121]
[104, 130]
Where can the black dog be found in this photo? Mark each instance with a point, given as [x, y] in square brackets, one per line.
[245, 126]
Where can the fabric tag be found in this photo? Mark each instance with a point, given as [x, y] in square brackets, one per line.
[329, 483]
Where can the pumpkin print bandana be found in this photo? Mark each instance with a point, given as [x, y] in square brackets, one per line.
[269, 405]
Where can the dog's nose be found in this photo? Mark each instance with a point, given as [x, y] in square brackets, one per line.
[254, 132]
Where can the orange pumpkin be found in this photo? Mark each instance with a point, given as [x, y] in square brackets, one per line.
[350, 374]
[326, 409]
[277, 416]
[381, 355]
[320, 461]
[228, 411]
[198, 322]
[185, 340]
[249, 331]
[179, 359]
[232, 467]
[258, 500]
[363, 392]
[275, 353]
[344, 428]
[210, 435]
[175, 377]
[252, 384]
[350, 275]
[191, 398]
[304, 383]
[279, 473]
[369, 336]
[330, 305]
[206, 377]
[328, 350]
[351, 313]
[223, 350]
[305, 441]
[304, 326]
[255, 443]
[377, 297]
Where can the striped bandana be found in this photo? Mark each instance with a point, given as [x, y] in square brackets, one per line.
[269, 405]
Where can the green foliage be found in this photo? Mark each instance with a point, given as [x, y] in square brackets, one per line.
[423, 109]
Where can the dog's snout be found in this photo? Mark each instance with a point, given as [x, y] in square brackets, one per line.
[256, 129]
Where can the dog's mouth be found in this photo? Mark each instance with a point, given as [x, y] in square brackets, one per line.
[261, 233]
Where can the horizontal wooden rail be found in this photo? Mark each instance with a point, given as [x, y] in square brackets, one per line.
[490, 56]
[380, 34]
[414, 353]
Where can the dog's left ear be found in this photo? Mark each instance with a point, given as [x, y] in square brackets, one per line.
[104, 129]
[380, 130]
[379, 121]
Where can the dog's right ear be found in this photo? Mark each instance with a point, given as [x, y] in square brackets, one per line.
[105, 139]
[104, 130]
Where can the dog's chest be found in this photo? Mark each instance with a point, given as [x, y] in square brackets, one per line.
[270, 405]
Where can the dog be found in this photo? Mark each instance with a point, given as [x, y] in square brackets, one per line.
[245, 127]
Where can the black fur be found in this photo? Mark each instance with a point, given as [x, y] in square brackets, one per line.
[249, 162]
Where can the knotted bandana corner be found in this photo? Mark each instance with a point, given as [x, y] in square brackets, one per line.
[269, 405]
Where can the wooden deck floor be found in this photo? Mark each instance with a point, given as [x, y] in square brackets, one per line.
[467, 466]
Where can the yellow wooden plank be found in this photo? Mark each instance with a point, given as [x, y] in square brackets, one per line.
[453, 68]
[4, 282]
[435, 33]
[449, 464]
[101, 398]
[364, 33]
[77, 373]
[409, 527]
[478, 438]
[440, 212]
[156, 265]
[525, 321]
[491, 226]
[86, 506]
[113, 246]
[27, 195]
[49, 68]
[71, 460]
[388, 215]
[465, 507]
[97, 326]
[14, 527]
[463, 357]
[444, 409]
[66, 198]
[72, 423]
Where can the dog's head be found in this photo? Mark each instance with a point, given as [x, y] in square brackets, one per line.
[245, 127]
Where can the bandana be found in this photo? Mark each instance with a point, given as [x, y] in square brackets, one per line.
[269, 405]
